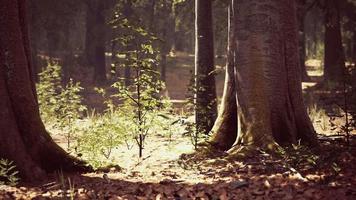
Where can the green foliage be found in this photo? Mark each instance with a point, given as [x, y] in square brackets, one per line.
[142, 95]
[8, 173]
[194, 129]
[303, 158]
[48, 88]
[59, 105]
[99, 135]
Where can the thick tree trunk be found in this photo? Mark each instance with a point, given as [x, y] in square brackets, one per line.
[267, 76]
[225, 127]
[95, 40]
[23, 137]
[206, 105]
[334, 59]
[34, 41]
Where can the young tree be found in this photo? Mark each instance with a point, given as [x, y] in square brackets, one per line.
[205, 100]
[334, 57]
[23, 137]
[267, 80]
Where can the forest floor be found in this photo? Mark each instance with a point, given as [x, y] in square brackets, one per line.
[171, 169]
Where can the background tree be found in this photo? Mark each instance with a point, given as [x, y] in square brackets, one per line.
[95, 38]
[301, 13]
[23, 137]
[205, 100]
[334, 57]
[268, 80]
[225, 127]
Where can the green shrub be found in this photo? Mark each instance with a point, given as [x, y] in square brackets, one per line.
[8, 173]
[59, 105]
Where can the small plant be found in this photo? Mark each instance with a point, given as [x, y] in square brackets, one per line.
[48, 88]
[70, 109]
[99, 135]
[193, 128]
[8, 173]
[142, 97]
[59, 105]
[139, 93]
[67, 187]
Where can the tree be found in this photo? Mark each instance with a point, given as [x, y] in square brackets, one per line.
[23, 137]
[205, 100]
[334, 58]
[266, 78]
[95, 39]
[301, 13]
[225, 127]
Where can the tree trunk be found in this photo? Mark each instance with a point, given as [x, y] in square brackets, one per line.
[302, 50]
[34, 41]
[166, 44]
[95, 40]
[23, 137]
[225, 127]
[334, 59]
[268, 77]
[206, 105]
[127, 14]
[354, 47]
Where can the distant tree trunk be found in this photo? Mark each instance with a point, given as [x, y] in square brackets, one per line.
[354, 47]
[152, 8]
[302, 50]
[95, 39]
[334, 59]
[23, 137]
[67, 57]
[206, 105]
[166, 44]
[225, 127]
[267, 77]
[113, 68]
[127, 14]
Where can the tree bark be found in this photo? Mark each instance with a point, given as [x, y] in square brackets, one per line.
[23, 137]
[302, 50]
[225, 127]
[127, 71]
[354, 48]
[95, 40]
[205, 101]
[270, 108]
[334, 59]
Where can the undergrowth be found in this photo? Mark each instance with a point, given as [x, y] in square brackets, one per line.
[96, 137]
[8, 173]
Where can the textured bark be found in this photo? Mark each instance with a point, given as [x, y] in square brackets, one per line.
[34, 40]
[95, 39]
[23, 137]
[334, 59]
[268, 76]
[225, 127]
[206, 105]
